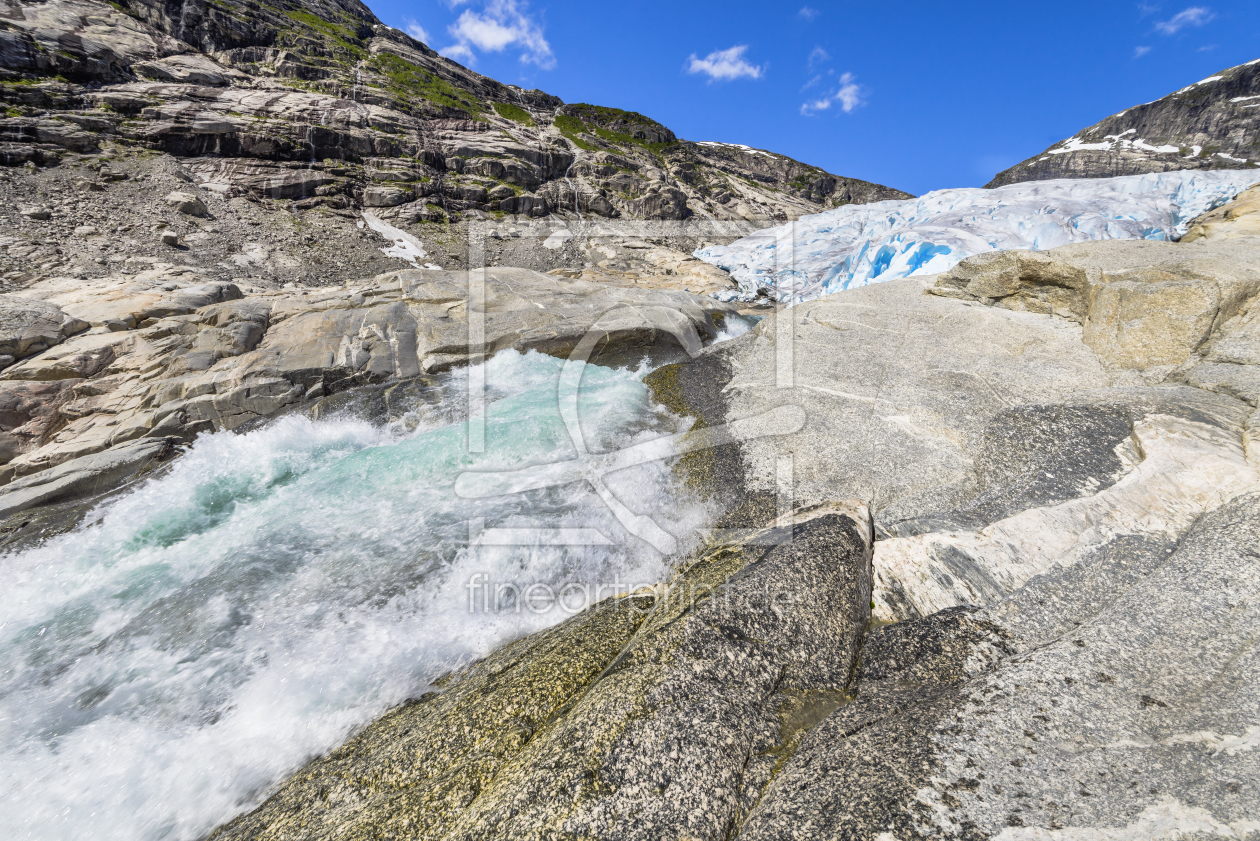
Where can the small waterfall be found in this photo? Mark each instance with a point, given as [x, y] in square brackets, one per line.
[576, 209]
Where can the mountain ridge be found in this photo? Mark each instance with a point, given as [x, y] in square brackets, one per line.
[1211, 124]
[324, 84]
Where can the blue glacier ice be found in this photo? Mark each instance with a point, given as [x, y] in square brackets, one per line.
[869, 243]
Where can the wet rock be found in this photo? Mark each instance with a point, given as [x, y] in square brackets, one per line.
[173, 355]
[666, 727]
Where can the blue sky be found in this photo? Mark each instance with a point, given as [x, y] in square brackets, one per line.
[915, 95]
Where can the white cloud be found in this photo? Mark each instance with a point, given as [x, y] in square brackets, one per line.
[808, 13]
[725, 65]
[1138, 52]
[848, 96]
[818, 56]
[416, 31]
[500, 24]
[1193, 16]
[459, 52]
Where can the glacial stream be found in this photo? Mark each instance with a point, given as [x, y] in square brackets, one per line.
[205, 633]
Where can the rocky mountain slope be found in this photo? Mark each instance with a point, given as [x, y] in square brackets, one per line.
[319, 104]
[1212, 124]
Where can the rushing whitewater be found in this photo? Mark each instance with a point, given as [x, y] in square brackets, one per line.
[205, 634]
[868, 243]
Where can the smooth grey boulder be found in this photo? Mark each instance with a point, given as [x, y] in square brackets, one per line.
[28, 326]
[186, 203]
[84, 476]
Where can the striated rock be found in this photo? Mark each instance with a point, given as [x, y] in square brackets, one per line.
[386, 196]
[28, 327]
[191, 69]
[324, 84]
[1091, 731]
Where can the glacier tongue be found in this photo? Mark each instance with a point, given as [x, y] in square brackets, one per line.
[869, 243]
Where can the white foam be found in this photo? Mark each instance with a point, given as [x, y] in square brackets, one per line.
[277, 589]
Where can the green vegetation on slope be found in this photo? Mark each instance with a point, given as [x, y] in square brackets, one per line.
[342, 36]
[572, 127]
[515, 113]
[407, 80]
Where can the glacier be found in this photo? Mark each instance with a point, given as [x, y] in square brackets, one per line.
[859, 244]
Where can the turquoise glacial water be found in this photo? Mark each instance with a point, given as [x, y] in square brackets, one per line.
[210, 630]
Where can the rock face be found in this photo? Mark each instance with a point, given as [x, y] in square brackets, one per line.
[1212, 124]
[1061, 465]
[1239, 218]
[1058, 457]
[320, 103]
[170, 355]
[649, 716]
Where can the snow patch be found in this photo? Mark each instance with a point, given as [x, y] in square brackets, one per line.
[1075, 144]
[1112, 143]
[405, 246]
[1146, 147]
[1194, 152]
[558, 239]
[740, 146]
[1200, 82]
[859, 244]
[1244, 98]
